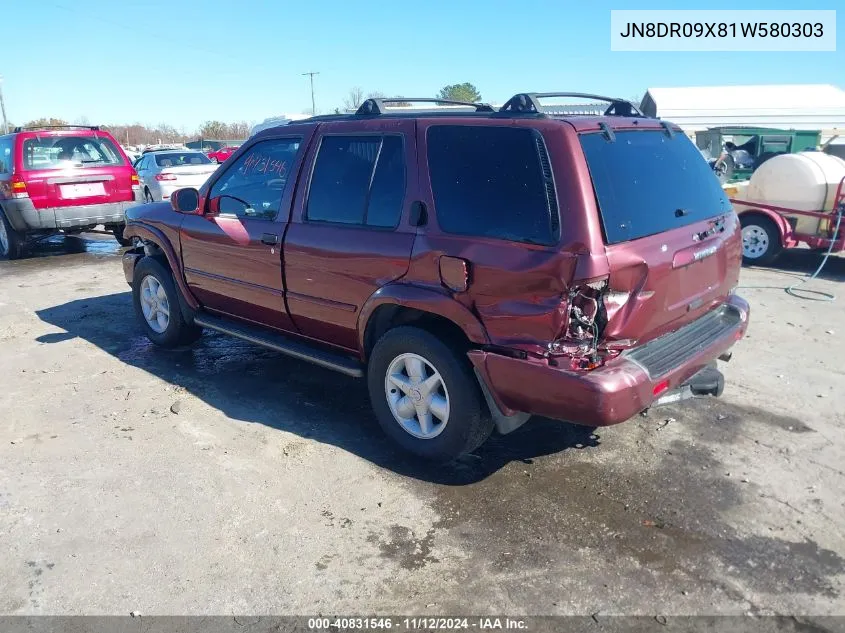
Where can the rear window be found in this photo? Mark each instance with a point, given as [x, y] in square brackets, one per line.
[55, 152]
[493, 182]
[647, 183]
[177, 159]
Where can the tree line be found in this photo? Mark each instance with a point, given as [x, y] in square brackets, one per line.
[138, 134]
[454, 92]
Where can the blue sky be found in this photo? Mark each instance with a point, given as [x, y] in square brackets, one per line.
[186, 61]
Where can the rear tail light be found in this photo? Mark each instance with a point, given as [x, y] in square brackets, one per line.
[660, 387]
[161, 177]
[19, 187]
[134, 180]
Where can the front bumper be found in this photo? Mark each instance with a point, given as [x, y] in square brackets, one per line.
[24, 217]
[625, 386]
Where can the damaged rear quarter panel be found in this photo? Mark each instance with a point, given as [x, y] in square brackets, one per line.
[520, 291]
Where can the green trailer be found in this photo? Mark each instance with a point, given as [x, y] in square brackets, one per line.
[735, 152]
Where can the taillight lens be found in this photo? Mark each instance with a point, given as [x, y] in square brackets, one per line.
[161, 177]
[134, 179]
[19, 187]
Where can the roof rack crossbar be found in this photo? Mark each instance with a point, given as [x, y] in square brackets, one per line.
[377, 105]
[529, 103]
[57, 127]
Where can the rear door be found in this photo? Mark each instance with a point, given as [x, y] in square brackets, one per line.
[64, 169]
[672, 239]
[232, 255]
[494, 210]
[350, 234]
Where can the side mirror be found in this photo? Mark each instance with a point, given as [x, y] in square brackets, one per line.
[185, 200]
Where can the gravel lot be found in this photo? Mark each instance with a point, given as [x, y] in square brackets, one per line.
[229, 479]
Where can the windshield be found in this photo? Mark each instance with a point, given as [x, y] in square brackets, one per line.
[177, 159]
[647, 183]
[55, 152]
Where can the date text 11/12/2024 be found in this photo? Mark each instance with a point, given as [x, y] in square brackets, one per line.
[415, 624]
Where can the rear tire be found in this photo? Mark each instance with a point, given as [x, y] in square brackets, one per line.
[118, 235]
[761, 242]
[435, 409]
[156, 302]
[12, 242]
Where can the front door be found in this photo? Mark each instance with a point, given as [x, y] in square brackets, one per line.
[232, 254]
[350, 234]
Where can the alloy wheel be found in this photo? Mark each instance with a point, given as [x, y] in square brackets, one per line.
[417, 396]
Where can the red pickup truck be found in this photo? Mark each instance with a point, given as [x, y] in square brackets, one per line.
[477, 266]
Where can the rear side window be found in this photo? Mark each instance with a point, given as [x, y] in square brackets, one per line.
[647, 183]
[6, 146]
[358, 180]
[493, 182]
[55, 152]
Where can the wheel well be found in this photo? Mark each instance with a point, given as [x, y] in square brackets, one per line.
[387, 317]
[151, 249]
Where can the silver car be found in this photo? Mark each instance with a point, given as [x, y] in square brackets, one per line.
[163, 172]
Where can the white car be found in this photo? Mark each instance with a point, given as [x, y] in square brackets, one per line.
[163, 172]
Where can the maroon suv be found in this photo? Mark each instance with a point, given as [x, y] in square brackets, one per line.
[65, 178]
[477, 266]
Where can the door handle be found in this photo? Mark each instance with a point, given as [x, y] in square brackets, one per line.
[270, 239]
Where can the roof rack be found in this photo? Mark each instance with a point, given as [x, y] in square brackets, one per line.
[377, 105]
[529, 103]
[57, 127]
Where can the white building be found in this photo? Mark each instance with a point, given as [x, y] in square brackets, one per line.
[798, 107]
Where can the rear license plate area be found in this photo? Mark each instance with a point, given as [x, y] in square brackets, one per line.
[82, 190]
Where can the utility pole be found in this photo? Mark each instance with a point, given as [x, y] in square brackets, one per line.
[313, 107]
[3, 108]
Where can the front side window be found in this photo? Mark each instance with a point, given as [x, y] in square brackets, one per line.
[253, 186]
[492, 182]
[358, 180]
[56, 152]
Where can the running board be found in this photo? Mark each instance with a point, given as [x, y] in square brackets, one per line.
[280, 343]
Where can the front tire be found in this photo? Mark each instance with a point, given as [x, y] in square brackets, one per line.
[12, 243]
[761, 242]
[426, 397]
[156, 302]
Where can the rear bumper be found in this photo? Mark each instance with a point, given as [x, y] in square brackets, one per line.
[24, 217]
[623, 387]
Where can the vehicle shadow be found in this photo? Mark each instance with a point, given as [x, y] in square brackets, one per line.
[102, 244]
[252, 384]
[798, 263]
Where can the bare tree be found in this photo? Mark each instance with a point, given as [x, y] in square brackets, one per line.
[213, 130]
[239, 130]
[354, 99]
